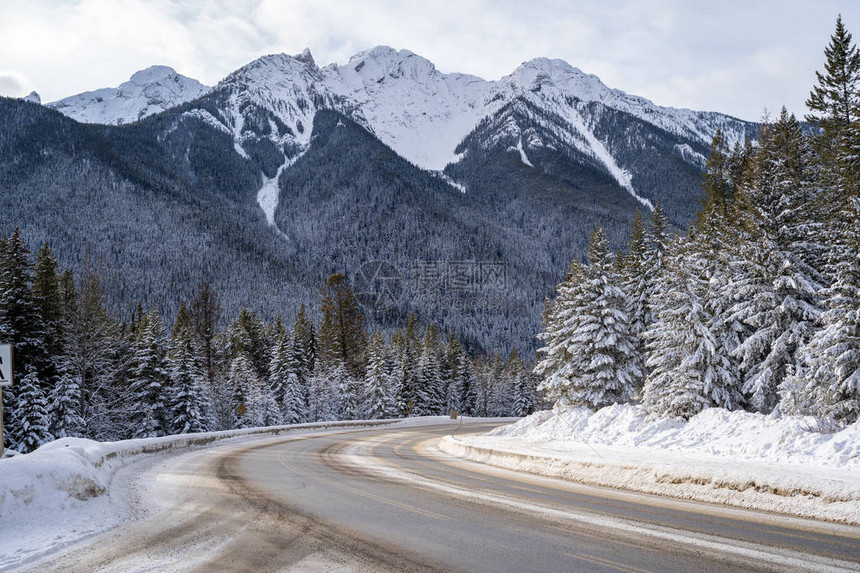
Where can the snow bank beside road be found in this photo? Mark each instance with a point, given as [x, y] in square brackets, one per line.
[63, 473]
[748, 460]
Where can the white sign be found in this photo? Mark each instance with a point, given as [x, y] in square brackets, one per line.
[5, 365]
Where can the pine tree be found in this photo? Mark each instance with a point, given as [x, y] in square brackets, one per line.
[148, 381]
[637, 282]
[834, 103]
[562, 317]
[406, 346]
[342, 335]
[32, 413]
[185, 396]
[205, 313]
[20, 321]
[593, 336]
[524, 400]
[95, 355]
[305, 344]
[284, 383]
[243, 384]
[280, 367]
[377, 382]
[48, 302]
[468, 383]
[455, 391]
[65, 406]
[775, 286]
[429, 391]
[690, 367]
[827, 382]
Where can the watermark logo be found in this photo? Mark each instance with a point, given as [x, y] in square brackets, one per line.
[378, 286]
[469, 285]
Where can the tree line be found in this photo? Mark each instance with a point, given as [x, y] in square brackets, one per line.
[82, 372]
[757, 305]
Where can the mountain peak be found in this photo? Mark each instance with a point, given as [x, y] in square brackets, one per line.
[152, 74]
[148, 91]
[305, 57]
[32, 97]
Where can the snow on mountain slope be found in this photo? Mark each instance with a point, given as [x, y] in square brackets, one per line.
[422, 114]
[149, 91]
[412, 107]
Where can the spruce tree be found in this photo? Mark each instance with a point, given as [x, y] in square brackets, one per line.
[775, 288]
[185, 396]
[205, 314]
[149, 381]
[342, 335]
[243, 384]
[827, 380]
[524, 399]
[65, 406]
[49, 305]
[20, 321]
[834, 103]
[31, 412]
[559, 360]
[377, 381]
[690, 366]
[593, 331]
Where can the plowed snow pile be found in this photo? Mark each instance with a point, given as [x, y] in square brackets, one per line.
[776, 463]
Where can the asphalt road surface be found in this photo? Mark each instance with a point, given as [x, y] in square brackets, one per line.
[385, 499]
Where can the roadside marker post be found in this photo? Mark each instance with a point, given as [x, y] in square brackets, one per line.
[6, 355]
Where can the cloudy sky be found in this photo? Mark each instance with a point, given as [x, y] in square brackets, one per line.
[738, 57]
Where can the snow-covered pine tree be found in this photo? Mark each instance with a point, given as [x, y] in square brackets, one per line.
[267, 412]
[524, 400]
[468, 383]
[287, 388]
[31, 412]
[20, 321]
[185, 397]
[637, 282]
[429, 402]
[774, 288]
[454, 390]
[65, 406]
[834, 104]
[304, 345]
[827, 382]
[280, 367]
[690, 367]
[407, 351]
[148, 379]
[377, 382]
[243, 384]
[561, 318]
[602, 369]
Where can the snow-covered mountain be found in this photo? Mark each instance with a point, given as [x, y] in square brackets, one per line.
[286, 171]
[149, 91]
[424, 115]
[402, 98]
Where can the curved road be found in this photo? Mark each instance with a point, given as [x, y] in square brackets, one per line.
[387, 500]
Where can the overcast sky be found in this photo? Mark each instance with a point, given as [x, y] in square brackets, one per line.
[737, 57]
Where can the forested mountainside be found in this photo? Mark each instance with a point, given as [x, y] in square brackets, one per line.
[285, 172]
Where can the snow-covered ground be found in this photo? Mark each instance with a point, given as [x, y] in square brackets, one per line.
[772, 463]
[74, 488]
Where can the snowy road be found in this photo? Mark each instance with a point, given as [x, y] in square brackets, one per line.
[388, 500]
